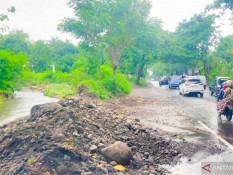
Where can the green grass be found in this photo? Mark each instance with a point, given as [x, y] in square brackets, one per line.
[59, 90]
[1, 99]
[96, 88]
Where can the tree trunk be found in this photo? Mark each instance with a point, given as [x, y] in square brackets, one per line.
[139, 73]
[114, 70]
[138, 79]
[206, 69]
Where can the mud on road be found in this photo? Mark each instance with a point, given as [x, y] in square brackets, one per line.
[77, 136]
[177, 116]
[161, 128]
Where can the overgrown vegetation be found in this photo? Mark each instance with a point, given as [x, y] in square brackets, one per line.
[117, 47]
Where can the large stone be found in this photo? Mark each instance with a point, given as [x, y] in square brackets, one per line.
[35, 112]
[119, 152]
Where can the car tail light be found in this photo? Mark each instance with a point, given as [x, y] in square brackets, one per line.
[186, 84]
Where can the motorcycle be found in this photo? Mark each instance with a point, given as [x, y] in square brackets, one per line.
[227, 111]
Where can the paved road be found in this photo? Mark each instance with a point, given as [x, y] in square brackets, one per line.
[181, 116]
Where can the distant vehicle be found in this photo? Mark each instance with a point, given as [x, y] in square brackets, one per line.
[215, 88]
[156, 78]
[163, 81]
[175, 81]
[191, 86]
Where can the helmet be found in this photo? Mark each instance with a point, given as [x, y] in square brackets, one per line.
[229, 83]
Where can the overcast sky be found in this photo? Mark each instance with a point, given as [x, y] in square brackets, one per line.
[39, 18]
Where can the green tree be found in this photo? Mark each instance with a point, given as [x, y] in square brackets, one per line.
[174, 55]
[16, 41]
[11, 66]
[198, 35]
[40, 57]
[223, 4]
[145, 49]
[224, 49]
[107, 24]
[63, 54]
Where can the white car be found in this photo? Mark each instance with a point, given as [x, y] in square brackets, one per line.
[201, 77]
[191, 86]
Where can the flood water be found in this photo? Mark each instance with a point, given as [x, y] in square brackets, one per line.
[21, 105]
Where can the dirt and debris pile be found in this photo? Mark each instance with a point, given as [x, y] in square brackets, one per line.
[81, 136]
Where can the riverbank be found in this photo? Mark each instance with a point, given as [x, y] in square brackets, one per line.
[21, 105]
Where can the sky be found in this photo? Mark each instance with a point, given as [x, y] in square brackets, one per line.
[39, 18]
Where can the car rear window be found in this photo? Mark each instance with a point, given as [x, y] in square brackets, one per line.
[221, 81]
[194, 81]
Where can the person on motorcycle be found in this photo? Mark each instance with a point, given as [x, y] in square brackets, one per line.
[227, 95]
[220, 97]
[221, 93]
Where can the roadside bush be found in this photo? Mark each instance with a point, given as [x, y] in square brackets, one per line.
[133, 79]
[1, 99]
[96, 88]
[28, 78]
[59, 90]
[11, 67]
[105, 71]
[51, 77]
[77, 76]
[118, 85]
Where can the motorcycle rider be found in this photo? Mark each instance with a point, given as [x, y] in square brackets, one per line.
[221, 93]
[226, 96]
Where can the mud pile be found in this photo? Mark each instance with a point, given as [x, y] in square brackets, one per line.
[67, 138]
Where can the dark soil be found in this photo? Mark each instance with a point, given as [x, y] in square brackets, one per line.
[56, 139]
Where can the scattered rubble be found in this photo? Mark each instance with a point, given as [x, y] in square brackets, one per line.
[83, 136]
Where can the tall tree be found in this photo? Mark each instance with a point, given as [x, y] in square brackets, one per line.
[224, 49]
[40, 57]
[223, 4]
[199, 34]
[16, 41]
[173, 54]
[63, 54]
[110, 24]
[145, 50]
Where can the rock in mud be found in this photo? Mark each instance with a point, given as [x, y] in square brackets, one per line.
[119, 152]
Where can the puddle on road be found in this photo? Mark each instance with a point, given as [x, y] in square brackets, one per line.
[179, 116]
[193, 167]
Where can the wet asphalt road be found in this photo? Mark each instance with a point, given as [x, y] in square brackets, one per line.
[180, 116]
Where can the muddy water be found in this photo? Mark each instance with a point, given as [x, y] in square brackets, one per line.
[21, 105]
[178, 115]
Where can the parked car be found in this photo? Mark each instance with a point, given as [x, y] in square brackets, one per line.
[163, 81]
[215, 88]
[191, 86]
[175, 81]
